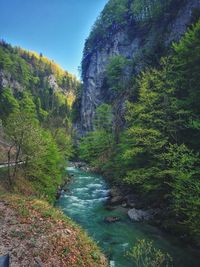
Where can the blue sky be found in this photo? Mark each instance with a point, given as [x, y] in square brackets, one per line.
[56, 28]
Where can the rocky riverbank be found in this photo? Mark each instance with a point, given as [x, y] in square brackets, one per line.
[122, 196]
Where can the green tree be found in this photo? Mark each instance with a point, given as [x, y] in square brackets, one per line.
[27, 104]
[117, 77]
[8, 103]
[104, 117]
[64, 142]
[24, 135]
[41, 113]
[36, 154]
[183, 167]
[185, 77]
[96, 147]
[116, 72]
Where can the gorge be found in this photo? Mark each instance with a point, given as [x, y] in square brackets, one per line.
[134, 119]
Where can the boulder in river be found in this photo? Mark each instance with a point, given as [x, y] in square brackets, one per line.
[111, 219]
[140, 215]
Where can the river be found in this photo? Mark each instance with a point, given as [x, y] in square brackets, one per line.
[84, 201]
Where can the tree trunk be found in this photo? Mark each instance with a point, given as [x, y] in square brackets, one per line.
[9, 169]
[16, 161]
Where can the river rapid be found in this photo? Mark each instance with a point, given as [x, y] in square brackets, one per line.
[84, 201]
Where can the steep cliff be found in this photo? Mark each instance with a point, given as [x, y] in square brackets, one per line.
[140, 31]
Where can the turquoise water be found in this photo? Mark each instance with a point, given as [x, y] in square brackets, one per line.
[85, 201]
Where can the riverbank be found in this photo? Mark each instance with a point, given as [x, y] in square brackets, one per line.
[36, 234]
[139, 210]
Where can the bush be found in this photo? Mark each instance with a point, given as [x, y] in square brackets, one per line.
[145, 254]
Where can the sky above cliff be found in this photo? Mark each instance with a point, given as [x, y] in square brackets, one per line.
[55, 28]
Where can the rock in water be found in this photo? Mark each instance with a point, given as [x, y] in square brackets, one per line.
[112, 219]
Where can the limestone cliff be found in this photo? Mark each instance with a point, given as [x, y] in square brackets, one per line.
[141, 31]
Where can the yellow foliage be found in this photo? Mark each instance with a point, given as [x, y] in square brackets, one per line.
[56, 69]
[70, 99]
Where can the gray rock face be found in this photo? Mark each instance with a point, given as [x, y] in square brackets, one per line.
[92, 93]
[52, 82]
[6, 81]
[131, 47]
[182, 21]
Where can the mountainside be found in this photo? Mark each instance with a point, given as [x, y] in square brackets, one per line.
[22, 72]
[139, 31]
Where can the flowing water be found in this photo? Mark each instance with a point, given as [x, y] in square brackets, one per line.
[84, 202]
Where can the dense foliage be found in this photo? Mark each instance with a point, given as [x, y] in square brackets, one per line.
[157, 153]
[36, 99]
